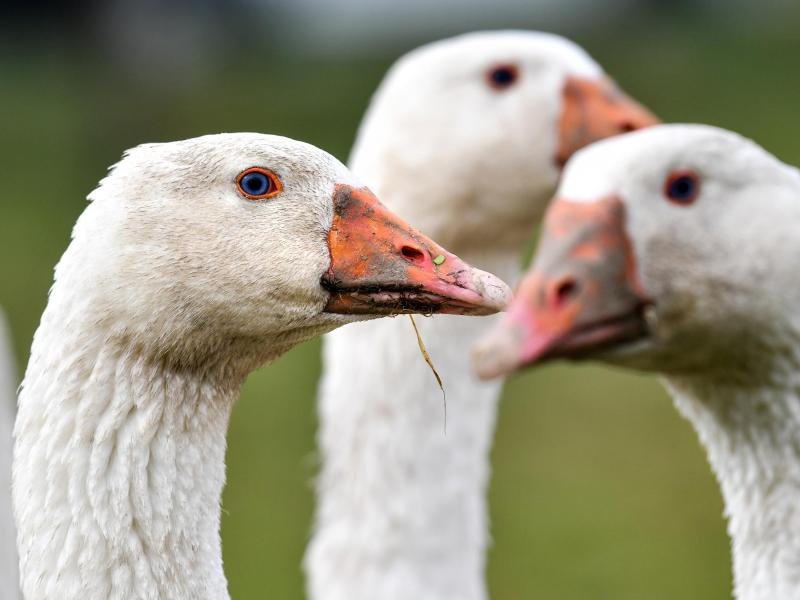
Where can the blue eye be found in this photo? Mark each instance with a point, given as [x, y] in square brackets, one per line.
[256, 183]
[682, 187]
[502, 76]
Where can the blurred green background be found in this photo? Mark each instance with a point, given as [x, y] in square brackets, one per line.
[600, 490]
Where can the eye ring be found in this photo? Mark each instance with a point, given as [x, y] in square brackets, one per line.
[502, 77]
[257, 183]
[682, 187]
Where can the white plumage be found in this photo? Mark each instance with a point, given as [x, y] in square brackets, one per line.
[173, 289]
[401, 506]
[715, 260]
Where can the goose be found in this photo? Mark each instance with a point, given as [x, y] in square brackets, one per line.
[194, 263]
[674, 250]
[9, 579]
[464, 137]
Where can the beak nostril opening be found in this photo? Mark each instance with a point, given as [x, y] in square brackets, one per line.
[413, 254]
[627, 127]
[566, 290]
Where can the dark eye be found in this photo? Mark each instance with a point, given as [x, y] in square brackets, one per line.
[502, 76]
[256, 183]
[682, 187]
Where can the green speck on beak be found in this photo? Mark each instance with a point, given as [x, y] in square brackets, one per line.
[438, 260]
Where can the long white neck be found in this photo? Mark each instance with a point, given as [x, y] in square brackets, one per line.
[401, 504]
[752, 436]
[118, 469]
[9, 566]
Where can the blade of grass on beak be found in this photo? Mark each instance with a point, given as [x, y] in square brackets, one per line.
[428, 360]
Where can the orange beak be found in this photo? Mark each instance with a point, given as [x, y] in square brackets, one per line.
[581, 296]
[381, 265]
[594, 110]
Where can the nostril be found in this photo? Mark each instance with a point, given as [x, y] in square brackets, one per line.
[413, 254]
[565, 291]
[627, 127]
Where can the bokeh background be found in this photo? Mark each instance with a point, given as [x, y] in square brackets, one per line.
[600, 490]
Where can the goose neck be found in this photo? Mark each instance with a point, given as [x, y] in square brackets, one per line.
[752, 437]
[119, 468]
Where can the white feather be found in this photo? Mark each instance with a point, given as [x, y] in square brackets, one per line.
[172, 289]
[725, 324]
[401, 506]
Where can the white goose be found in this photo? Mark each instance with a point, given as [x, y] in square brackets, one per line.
[464, 137]
[195, 262]
[675, 250]
[9, 579]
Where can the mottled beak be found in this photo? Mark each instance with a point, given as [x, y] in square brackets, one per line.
[594, 109]
[381, 265]
[582, 295]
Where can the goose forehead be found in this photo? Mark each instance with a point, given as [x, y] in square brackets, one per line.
[605, 166]
[553, 49]
[217, 155]
[600, 169]
[485, 48]
[232, 147]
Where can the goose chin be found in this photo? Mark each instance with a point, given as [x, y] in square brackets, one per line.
[591, 340]
[508, 348]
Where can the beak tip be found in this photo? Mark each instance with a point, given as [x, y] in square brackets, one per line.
[496, 294]
[496, 354]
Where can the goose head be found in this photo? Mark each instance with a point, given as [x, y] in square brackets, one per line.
[237, 239]
[669, 249]
[506, 109]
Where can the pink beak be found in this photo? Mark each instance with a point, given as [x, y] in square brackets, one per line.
[582, 294]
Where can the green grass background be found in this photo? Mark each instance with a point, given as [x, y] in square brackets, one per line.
[599, 491]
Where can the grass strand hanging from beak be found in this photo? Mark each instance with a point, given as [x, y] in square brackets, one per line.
[428, 360]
